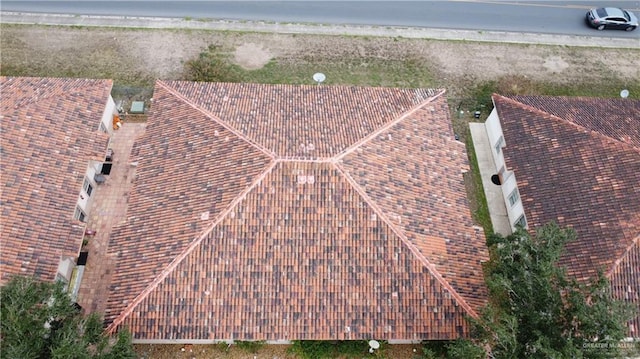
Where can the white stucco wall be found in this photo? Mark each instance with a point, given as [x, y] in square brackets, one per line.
[494, 133]
[507, 177]
[517, 209]
[107, 115]
[84, 199]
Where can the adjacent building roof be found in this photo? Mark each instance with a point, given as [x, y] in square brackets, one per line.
[577, 161]
[49, 133]
[282, 212]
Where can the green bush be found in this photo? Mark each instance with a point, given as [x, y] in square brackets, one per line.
[211, 66]
[465, 349]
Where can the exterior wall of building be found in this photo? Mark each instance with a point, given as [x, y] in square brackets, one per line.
[107, 116]
[88, 186]
[95, 167]
[512, 200]
[496, 139]
[509, 185]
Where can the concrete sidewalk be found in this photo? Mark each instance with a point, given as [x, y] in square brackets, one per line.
[319, 29]
[495, 201]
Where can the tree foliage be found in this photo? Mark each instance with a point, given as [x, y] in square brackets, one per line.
[537, 311]
[39, 321]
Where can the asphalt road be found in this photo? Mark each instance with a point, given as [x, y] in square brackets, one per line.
[545, 17]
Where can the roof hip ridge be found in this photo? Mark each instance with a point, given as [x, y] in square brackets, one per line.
[592, 132]
[414, 250]
[622, 256]
[386, 126]
[222, 123]
[189, 248]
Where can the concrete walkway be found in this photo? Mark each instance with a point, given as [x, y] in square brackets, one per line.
[108, 209]
[495, 201]
[319, 29]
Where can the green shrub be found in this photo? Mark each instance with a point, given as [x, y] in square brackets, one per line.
[211, 66]
[465, 349]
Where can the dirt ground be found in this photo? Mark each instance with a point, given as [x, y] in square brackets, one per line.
[130, 54]
[220, 351]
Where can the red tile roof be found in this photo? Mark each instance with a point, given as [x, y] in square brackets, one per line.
[625, 281]
[49, 133]
[269, 212]
[577, 161]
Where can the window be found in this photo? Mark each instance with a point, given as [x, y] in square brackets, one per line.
[499, 144]
[514, 197]
[87, 187]
[79, 214]
[521, 222]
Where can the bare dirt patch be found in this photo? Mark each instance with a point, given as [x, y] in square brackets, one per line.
[145, 55]
[252, 56]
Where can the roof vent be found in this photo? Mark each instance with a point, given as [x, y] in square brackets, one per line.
[204, 216]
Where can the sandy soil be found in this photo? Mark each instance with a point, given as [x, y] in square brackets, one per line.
[151, 54]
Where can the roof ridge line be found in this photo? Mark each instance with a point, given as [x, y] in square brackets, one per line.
[216, 118]
[190, 248]
[565, 121]
[414, 250]
[618, 260]
[386, 126]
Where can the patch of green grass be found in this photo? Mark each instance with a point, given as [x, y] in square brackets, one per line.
[480, 94]
[250, 346]
[359, 72]
[607, 90]
[477, 199]
[222, 347]
[318, 349]
[213, 65]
